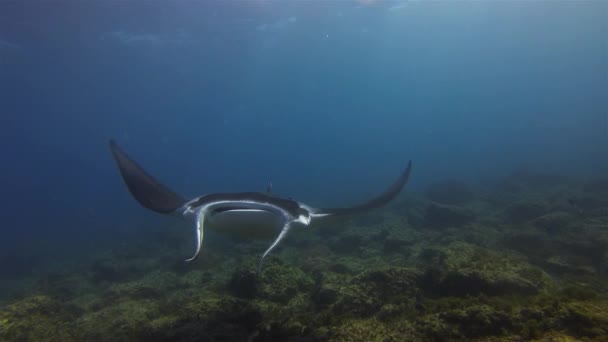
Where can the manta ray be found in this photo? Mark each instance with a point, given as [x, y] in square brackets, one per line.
[245, 214]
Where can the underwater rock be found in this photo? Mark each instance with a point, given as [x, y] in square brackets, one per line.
[443, 216]
[584, 252]
[339, 268]
[119, 321]
[535, 246]
[369, 220]
[462, 269]
[596, 186]
[38, 318]
[396, 245]
[597, 212]
[325, 297]
[372, 330]
[243, 284]
[450, 192]
[554, 222]
[281, 282]
[562, 265]
[380, 235]
[478, 320]
[347, 244]
[591, 247]
[415, 216]
[60, 285]
[534, 180]
[152, 286]
[287, 331]
[369, 291]
[332, 229]
[315, 259]
[588, 202]
[111, 270]
[205, 317]
[589, 319]
[389, 312]
[524, 211]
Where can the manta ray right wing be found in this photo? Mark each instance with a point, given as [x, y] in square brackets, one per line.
[373, 203]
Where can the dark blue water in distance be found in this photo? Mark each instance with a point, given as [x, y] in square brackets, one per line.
[326, 99]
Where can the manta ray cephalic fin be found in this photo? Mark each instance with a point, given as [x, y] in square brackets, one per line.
[282, 235]
[200, 225]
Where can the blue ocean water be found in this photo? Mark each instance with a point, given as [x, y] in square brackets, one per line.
[326, 99]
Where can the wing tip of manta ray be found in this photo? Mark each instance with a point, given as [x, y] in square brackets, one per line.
[376, 202]
[149, 192]
[408, 169]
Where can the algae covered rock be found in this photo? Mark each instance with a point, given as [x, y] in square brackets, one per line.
[535, 180]
[450, 192]
[596, 186]
[38, 318]
[346, 244]
[369, 219]
[206, 317]
[559, 264]
[479, 320]
[372, 330]
[243, 283]
[121, 321]
[554, 222]
[523, 211]
[152, 285]
[396, 245]
[464, 269]
[111, 269]
[586, 318]
[325, 297]
[443, 216]
[281, 282]
[533, 244]
[368, 292]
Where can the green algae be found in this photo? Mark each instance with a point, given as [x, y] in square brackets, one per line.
[461, 268]
[282, 282]
[122, 321]
[38, 318]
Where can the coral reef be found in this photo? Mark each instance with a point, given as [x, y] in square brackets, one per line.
[463, 269]
[528, 265]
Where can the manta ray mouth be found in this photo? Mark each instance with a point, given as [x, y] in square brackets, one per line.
[228, 209]
[246, 223]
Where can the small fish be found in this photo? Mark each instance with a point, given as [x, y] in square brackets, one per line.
[246, 214]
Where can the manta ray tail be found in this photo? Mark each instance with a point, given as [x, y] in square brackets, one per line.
[149, 192]
[375, 202]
